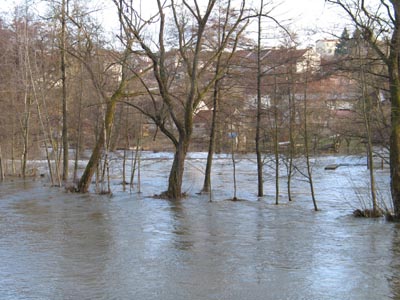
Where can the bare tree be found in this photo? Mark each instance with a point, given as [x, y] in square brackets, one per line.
[108, 73]
[25, 122]
[259, 105]
[180, 75]
[378, 24]
[64, 8]
[224, 34]
[262, 72]
[306, 135]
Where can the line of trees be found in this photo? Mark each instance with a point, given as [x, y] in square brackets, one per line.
[71, 88]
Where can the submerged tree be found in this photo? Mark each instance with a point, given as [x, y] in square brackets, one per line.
[379, 25]
[259, 105]
[226, 34]
[370, 75]
[180, 75]
[108, 74]
[63, 17]
[306, 130]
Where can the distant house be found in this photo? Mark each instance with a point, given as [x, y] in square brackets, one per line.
[301, 59]
[326, 47]
[202, 123]
[275, 59]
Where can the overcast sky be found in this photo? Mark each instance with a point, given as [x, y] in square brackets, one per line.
[305, 14]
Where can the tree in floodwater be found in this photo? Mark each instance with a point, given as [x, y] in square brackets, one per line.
[261, 72]
[27, 43]
[292, 134]
[366, 69]
[63, 21]
[379, 25]
[233, 136]
[306, 132]
[366, 110]
[109, 76]
[2, 176]
[259, 105]
[179, 80]
[27, 99]
[226, 34]
[35, 60]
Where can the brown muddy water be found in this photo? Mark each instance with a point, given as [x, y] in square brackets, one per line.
[57, 245]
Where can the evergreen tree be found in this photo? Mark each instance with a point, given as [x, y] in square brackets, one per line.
[342, 48]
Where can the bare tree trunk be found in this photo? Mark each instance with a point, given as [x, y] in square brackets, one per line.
[39, 112]
[94, 160]
[139, 168]
[1, 166]
[13, 167]
[124, 167]
[64, 5]
[307, 147]
[233, 144]
[394, 81]
[126, 148]
[134, 163]
[292, 119]
[395, 145]
[258, 123]
[79, 129]
[27, 99]
[276, 141]
[106, 165]
[276, 153]
[211, 145]
[175, 180]
[135, 166]
[26, 121]
[366, 106]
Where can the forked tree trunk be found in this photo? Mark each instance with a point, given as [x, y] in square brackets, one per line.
[175, 180]
[94, 160]
[191, 57]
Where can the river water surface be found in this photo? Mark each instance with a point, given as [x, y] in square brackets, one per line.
[57, 245]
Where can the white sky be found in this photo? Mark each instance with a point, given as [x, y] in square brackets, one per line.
[306, 14]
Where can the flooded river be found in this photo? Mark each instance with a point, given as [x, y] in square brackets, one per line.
[57, 245]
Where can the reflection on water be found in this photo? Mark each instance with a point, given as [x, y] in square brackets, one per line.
[55, 245]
